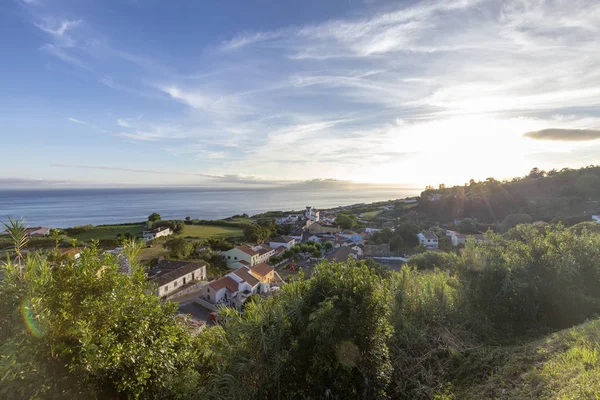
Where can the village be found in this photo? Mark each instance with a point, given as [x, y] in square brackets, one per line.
[259, 268]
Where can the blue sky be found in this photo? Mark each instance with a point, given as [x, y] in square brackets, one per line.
[152, 92]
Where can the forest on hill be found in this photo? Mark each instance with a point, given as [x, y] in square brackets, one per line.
[548, 196]
[469, 328]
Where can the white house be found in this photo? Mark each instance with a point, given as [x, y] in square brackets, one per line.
[219, 291]
[156, 233]
[370, 231]
[282, 241]
[596, 218]
[37, 231]
[241, 253]
[311, 214]
[234, 288]
[460, 238]
[173, 275]
[288, 219]
[265, 252]
[428, 239]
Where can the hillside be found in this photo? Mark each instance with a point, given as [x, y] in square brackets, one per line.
[542, 195]
[562, 365]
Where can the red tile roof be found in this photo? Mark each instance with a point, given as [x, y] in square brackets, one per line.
[247, 250]
[244, 273]
[261, 269]
[225, 282]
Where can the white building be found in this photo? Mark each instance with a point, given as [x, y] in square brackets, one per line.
[173, 275]
[311, 214]
[596, 218]
[37, 231]
[460, 238]
[233, 289]
[428, 239]
[265, 253]
[156, 233]
[288, 219]
[282, 241]
[241, 253]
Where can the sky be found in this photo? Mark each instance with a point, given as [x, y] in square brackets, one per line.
[190, 92]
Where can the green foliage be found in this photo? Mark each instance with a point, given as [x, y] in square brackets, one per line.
[17, 234]
[78, 230]
[345, 221]
[179, 248]
[434, 259]
[88, 330]
[260, 232]
[542, 196]
[322, 337]
[154, 217]
[513, 220]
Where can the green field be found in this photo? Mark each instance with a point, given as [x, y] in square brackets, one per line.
[110, 232]
[371, 214]
[207, 231]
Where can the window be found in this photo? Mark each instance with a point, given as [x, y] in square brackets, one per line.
[175, 284]
[235, 258]
[208, 290]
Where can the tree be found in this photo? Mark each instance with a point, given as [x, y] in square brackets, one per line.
[188, 220]
[257, 233]
[322, 337]
[345, 221]
[154, 217]
[589, 186]
[17, 233]
[513, 220]
[89, 331]
[328, 246]
[179, 248]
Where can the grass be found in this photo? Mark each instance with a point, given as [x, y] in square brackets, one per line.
[371, 214]
[207, 231]
[148, 254]
[110, 232]
[563, 365]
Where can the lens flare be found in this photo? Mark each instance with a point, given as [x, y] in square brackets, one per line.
[30, 320]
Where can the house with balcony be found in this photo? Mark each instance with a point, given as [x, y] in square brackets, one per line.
[428, 239]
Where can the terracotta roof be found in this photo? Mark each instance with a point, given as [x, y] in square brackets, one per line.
[261, 269]
[169, 270]
[72, 251]
[225, 282]
[245, 274]
[247, 250]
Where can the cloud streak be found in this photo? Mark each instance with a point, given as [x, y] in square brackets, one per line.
[564, 135]
[58, 29]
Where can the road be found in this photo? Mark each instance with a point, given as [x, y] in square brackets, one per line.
[196, 310]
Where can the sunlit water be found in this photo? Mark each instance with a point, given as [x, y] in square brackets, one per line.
[70, 207]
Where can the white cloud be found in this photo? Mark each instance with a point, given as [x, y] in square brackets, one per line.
[58, 29]
[372, 96]
[123, 123]
[77, 121]
[247, 39]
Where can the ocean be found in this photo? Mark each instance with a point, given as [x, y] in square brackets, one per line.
[61, 208]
